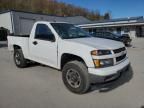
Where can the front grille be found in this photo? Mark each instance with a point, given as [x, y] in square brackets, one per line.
[119, 50]
[120, 58]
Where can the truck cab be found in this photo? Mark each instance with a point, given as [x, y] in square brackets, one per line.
[83, 59]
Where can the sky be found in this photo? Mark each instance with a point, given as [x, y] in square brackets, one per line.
[118, 8]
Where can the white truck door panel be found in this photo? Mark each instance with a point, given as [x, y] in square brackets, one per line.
[43, 48]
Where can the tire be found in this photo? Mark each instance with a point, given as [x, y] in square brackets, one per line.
[19, 59]
[80, 72]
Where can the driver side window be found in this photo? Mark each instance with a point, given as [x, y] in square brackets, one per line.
[44, 33]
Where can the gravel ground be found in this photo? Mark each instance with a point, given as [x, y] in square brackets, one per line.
[41, 87]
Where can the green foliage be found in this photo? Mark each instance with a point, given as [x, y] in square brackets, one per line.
[51, 7]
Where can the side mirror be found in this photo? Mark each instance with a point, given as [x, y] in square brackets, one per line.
[51, 37]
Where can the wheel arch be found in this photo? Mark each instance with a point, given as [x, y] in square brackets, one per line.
[15, 47]
[66, 57]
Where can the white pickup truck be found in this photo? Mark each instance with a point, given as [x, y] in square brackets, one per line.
[82, 58]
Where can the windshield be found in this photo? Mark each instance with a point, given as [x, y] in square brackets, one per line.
[104, 35]
[69, 31]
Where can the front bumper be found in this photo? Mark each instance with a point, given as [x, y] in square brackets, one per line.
[109, 73]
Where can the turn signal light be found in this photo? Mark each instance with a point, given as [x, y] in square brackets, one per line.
[97, 63]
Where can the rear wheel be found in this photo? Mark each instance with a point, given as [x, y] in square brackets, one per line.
[75, 77]
[19, 59]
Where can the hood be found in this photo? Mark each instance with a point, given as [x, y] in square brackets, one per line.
[98, 43]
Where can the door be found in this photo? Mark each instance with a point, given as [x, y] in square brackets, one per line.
[43, 47]
[139, 31]
[119, 30]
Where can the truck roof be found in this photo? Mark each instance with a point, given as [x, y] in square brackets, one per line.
[51, 22]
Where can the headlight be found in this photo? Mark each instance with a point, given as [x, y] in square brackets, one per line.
[103, 63]
[100, 52]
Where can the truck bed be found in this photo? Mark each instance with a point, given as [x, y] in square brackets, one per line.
[15, 35]
[19, 40]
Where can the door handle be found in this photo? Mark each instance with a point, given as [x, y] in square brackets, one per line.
[35, 42]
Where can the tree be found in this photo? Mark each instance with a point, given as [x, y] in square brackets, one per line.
[52, 7]
[107, 15]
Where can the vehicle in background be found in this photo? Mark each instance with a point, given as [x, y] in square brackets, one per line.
[125, 38]
[3, 34]
[82, 58]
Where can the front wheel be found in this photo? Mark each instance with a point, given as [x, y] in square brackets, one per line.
[19, 59]
[75, 77]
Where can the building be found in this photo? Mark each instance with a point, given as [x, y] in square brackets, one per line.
[134, 26]
[19, 22]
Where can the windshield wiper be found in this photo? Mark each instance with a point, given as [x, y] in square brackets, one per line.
[84, 36]
[77, 37]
